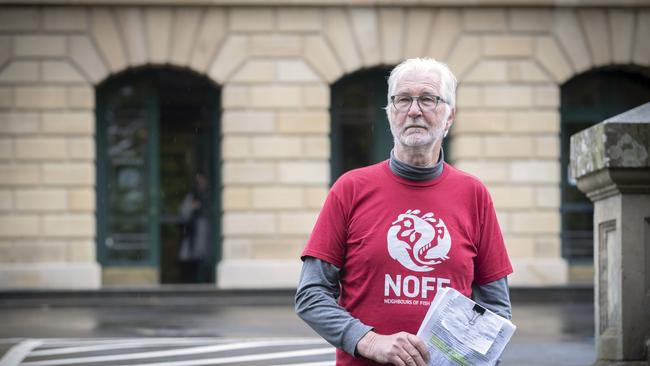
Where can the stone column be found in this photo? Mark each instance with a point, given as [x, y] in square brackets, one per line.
[611, 165]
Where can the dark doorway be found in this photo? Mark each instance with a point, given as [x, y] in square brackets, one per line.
[157, 137]
[588, 99]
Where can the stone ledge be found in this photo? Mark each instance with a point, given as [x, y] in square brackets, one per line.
[50, 276]
[268, 274]
[454, 3]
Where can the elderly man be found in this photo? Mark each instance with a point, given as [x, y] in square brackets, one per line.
[391, 234]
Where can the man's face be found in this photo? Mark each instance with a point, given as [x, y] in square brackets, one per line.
[415, 127]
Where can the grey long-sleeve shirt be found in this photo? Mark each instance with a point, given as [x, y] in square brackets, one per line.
[319, 287]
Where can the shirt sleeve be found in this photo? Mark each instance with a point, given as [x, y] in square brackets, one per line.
[491, 262]
[316, 304]
[494, 296]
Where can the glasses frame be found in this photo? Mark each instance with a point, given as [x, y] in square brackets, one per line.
[437, 98]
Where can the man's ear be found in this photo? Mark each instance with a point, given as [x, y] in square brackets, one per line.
[450, 120]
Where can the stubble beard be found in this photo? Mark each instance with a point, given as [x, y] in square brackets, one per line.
[425, 136]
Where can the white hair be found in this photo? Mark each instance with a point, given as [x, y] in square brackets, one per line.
[425, 65]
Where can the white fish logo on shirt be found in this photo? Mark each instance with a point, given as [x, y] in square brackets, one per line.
[418, 242]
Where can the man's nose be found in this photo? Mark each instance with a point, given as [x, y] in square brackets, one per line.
[414, 110]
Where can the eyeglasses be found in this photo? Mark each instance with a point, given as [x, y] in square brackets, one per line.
[426, 102]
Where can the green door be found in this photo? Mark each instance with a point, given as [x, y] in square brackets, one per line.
[156, 132]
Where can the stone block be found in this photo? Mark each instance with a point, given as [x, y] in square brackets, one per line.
[256, 71]
[276, 45]
[6, 251]
[531, 19]
[278, 198]
[488, 71]
[508, 46]
[212, 31]
[509, 147]
[19, 174]
[270, 273]
[274, 147]
[486, 171]
[252, 19]
[547, 146]
[467, 146]
[444, 34]
[315, 196]
[60, 71]
[6, 200]
[232, 54]
[69, 173]
[511, 96]
[484, 19]
[520, 246]
[18, 123]
[292, 71]
[6, 149]
[40, 97]
[107, 38]
[338, 31]
[276, 96]
[418, 20]
[547, 197]
[236, 147]
[285, 247]
[248, 172]
[316, 147]
[321, 57]
[41, 200]
[391, 25]
[235, 95]
[512, 197]
[297, 223]
[469, 96]
[535, 171]
[569, 34]
[548, 247]
[41, 148]
[17, 226]
[299, 19]
[85, 55]
[594, 23]
[6, 49]
[641, 52]
[366, 31]
[248, 224]
[526, 71]
[621, 29]
[65, 19]
[536, 222]
[316, 96]
[37, 251]
[248, 122]
[80, 251]
[185, 25]
[50, 275]
[81, 149]
[237, 198]
[39, 45]
[158, 28]
[303, 122]
[81, 97]
[6, 97]
[534, 121]
[465, 53]
[19, 72]
[304, 172]
[70, 225]
[549, 56]
[131, 22]
[237, 248]
[480, 121]
[81, 200]
[20, 18]
[68, 123]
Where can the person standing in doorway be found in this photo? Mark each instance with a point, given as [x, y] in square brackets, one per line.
[195, 250]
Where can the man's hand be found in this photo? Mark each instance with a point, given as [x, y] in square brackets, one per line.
[400, 349]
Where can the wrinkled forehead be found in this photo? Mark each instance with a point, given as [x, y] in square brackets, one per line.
[418, 81]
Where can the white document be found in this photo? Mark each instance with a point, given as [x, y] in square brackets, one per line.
[457, 333]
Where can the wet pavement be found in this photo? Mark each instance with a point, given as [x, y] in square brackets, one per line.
[558, 333]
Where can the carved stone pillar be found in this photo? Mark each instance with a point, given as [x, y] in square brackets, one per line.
[611, 164]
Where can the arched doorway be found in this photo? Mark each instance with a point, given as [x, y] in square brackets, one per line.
[587, 99]
[158, 147]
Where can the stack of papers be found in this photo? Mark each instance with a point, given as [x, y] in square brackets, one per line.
[457, 331]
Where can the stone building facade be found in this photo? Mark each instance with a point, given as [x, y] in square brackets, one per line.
[275, 63]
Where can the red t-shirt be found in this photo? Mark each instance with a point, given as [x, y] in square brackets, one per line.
[396, 241]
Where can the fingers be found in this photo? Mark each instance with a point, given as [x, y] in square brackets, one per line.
[420, 346]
